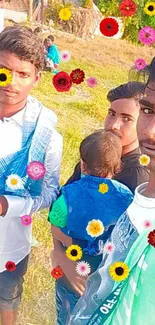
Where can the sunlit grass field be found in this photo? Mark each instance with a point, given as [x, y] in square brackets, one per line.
[79, 112]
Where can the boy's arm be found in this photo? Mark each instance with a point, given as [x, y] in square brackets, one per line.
[60, 258]
[15, 206]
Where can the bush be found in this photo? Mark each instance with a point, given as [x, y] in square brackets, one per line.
[132, 24]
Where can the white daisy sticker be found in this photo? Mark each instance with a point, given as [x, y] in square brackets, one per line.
[83, 268]
[14, 182]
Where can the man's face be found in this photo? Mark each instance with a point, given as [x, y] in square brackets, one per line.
[122, 119]
[24, 77]
[146, 122]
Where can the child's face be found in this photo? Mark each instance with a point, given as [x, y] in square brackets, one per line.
[49, 43]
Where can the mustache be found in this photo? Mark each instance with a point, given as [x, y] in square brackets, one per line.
[148, 141]
[116, 133]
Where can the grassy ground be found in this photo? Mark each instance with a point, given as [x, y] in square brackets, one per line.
[79, 112]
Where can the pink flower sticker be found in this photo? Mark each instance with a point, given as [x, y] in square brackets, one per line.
[26, 220]
[140, 64]
[109, 248]
[146, 35]
[147, 224]
[65, 56]
[36, 170]
[91, 82]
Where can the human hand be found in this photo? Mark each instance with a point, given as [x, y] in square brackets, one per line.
[3, 206]
[69, 268]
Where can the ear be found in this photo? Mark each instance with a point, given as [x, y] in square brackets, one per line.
[37, 79]
[83, 166]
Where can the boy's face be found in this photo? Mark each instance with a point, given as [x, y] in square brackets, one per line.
[49, 42]
[146, 123]
[24, 77]
[122, 118]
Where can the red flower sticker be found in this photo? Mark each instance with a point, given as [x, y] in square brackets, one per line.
[127, 8]
[10, 266]
[57, 273]
[109, 27]
[151, 238]
[77, 76]
[62, 81]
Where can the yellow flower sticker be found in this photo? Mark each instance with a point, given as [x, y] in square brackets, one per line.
[5, 77]
[144, 160]
[149, 8]
[65, 14]
[95, 228]
[103, 188]
[119, 271]
[74, 252]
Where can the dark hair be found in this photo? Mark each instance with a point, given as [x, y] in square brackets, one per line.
[24, 43]
[37, 30]
[129, 90]
[101, 151]
[51, 37]
[45, 40]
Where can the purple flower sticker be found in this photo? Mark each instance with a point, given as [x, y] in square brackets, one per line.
[36, 170]
[26, 220]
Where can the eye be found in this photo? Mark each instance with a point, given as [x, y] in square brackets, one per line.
[126, 119]
[147, 111]
[24, 74]
[110, 113]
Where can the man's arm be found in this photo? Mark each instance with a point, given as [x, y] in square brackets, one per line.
[15, 206]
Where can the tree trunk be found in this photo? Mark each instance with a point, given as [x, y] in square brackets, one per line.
[30, 10]
[42, 12]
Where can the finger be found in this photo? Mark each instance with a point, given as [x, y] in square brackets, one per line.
[78, 290]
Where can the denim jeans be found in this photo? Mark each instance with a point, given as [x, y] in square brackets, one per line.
[65, 303]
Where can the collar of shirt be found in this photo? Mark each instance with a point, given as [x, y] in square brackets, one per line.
[142, 209]
[142, 200]
[16, 118]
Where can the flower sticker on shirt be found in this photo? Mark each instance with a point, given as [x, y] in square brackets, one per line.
[36, 170]
[14, 182]
[109, 248]
[10, 266]
[144, 160]
[95, 228]
[119, 271]
[103, 188]
[26, 220]
[151, 238]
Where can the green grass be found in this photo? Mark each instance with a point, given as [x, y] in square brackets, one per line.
[79, 113]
